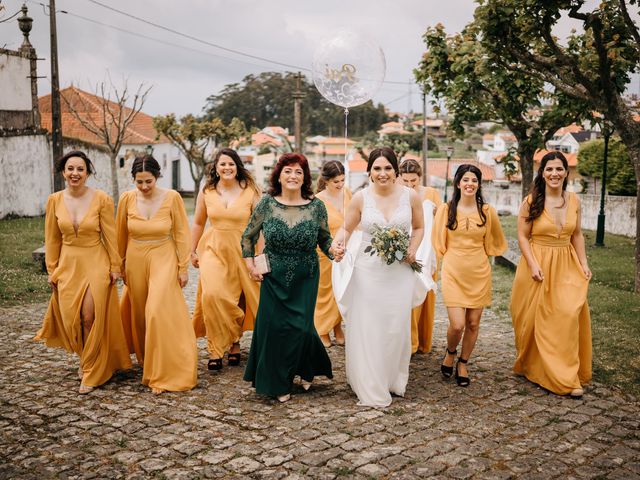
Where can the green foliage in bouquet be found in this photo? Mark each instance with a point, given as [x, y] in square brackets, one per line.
[391, 244]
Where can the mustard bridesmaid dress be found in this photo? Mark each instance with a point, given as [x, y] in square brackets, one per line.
[422, 316]
[551, 319]
[79, 261]
[327, 315]
[465, 252]
[227, 298]
[154, 311]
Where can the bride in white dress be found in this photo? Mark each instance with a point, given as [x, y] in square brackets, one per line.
[375, 298]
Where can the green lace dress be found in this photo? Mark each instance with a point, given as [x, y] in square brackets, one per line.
[285, 342]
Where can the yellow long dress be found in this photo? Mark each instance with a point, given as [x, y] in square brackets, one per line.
[551, 318]
[422, 316]
[466, 272]
[227, 298]
[327, 315]
[77, 262]
[154, 311]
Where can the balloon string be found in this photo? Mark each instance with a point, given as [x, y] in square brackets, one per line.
[346, 169]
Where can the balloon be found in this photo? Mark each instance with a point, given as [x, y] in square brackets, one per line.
[348, 69]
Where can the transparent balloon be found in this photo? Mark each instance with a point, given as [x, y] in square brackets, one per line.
[348, 68]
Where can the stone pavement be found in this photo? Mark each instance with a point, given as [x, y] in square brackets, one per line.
[500, 427]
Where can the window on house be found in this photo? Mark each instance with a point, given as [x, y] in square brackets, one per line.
[121, 162]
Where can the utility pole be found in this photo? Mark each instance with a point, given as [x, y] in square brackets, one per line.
[56, 121]
[298, 95]
[425, 138]
[606, 130]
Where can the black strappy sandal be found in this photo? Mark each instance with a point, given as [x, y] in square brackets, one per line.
[233, 359]
[462, 381]
[447, 371]
[215, 364]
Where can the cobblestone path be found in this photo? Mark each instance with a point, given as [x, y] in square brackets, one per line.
[500, 427]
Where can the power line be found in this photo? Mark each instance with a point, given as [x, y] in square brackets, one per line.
[205, 42]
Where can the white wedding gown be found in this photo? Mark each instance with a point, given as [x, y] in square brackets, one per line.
[375, 300]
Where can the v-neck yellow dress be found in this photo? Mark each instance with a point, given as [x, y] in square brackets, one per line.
[423, 316]
[154, 312]
[551, 319]
[465, 252]
[227, 299]
[327, 315]
[77, 262]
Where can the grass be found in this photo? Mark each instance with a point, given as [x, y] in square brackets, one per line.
[615, 308]
[21, 279]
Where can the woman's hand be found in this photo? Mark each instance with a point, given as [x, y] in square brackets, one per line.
[337, 250]
[410, 257]
[50, 282]
[195, 261]
[183, 279]
[536, 272]
[114, 276]
[255, 275]
[587, 271]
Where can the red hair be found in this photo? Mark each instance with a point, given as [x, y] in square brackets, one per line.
[286, 160]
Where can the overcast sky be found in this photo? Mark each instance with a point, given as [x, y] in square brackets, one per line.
[184, 72]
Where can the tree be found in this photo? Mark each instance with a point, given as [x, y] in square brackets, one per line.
[195, 137]
[469, 77]
[620, 174]
[267, 99]
[107, 116]
[593, 66]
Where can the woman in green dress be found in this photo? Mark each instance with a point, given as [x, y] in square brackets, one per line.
[285, 342]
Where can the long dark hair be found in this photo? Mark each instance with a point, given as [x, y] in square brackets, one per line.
[538, 187]
[145, 163]
[385, 152]
[285, 160]
[452, 221]
[410, 166]
[330, 170]
[243, 176]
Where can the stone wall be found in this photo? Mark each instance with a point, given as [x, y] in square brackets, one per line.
[25, 174]
[620, 211]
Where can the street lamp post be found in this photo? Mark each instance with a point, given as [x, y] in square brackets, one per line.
[603, 192]
[449, 151]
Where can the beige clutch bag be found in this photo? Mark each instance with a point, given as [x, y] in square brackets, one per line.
[262, 263]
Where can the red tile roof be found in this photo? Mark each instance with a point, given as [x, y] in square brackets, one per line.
[88, 106]
[572, 158]
[336, 141]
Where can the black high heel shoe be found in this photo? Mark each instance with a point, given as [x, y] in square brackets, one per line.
[447, 371]
[234, 359]
[214, 364]
[462, 381]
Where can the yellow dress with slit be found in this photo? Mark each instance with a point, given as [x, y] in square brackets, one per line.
[422, 316]
[78, 261]
[465, 252]
[327, 315]
[227, 299]
[551, 319]
[154, 312]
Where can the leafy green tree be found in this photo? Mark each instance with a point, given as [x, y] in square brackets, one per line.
[620, 174]
[475, 86]
[195, 137]
[594, 65]
[267, 99]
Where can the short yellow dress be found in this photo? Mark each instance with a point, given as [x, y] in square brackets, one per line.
[465, 252]
[154, 312]
[327, 315]
[77, 262]
[227, 299]
[422, 316]
[551, 318]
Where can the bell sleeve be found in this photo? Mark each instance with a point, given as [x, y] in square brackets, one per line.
[439, 230]
[122, 230]
[52, 236]
[495, 242]
[108, 232]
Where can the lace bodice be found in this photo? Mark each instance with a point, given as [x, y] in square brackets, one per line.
[371, 215]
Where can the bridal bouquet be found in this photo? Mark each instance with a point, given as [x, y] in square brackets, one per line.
[391, 244]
